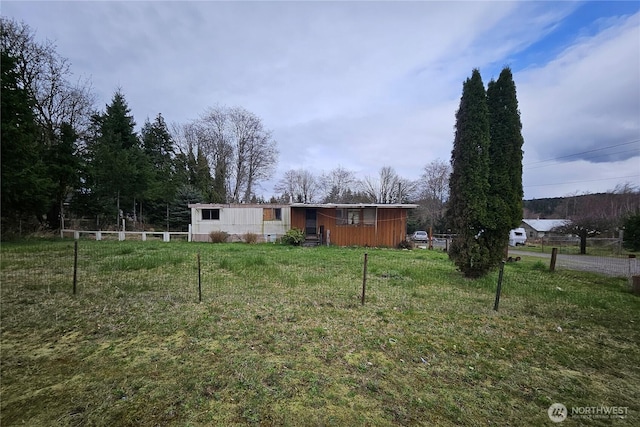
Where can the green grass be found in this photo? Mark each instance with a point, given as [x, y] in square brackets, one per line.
[597, 248]
[282, 339]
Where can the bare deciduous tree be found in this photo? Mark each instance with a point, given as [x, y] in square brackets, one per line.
[240, 150]
[433, 191]
[337, 185]
[435, 181]
[300, 184]
[48, 79]
[387, 187]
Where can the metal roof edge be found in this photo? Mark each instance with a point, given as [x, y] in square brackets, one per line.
[354, 205]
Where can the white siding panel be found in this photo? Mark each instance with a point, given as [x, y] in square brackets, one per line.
[240, 220]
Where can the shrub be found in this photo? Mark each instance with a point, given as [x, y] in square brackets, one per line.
[218, 236]
[539, 266]
[250, 238]
[293, 237]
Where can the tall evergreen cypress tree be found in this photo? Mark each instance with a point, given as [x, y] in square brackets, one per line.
[507, 141]
[469, 182]
[505, 153]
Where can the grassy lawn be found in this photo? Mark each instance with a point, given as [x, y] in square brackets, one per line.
[281, 338]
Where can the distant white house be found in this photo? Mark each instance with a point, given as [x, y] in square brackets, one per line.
[538, 228]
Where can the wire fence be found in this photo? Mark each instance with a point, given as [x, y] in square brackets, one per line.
[605, 247]
[273, 274]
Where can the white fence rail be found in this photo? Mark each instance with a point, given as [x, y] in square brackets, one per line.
[122, 235]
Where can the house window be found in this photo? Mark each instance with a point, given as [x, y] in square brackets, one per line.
[356, 216]
[210, 214]
[353, 216]
[341, 217]
[369, 216]
[272, 214]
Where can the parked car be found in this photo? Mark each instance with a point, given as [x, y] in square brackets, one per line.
[420, 236]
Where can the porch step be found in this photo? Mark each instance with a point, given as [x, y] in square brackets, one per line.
[311, 241]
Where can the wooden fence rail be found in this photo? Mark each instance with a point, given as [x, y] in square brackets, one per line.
[122, 235]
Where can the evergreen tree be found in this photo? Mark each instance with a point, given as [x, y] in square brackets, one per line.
[60, 109]
[505, 153]
[26, 186]
[117, 162]
[218, 184]
[192, 169]
[469, 181]
[157, 145]
[179, 212]
[63, 164]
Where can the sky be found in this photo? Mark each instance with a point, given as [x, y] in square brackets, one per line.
[367, 84]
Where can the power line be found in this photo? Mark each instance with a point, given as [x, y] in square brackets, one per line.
[584, 152]
[589, 158]
[580, 182]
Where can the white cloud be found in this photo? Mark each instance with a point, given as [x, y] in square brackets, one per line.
[361, 84]
[588, 97]
[579, 177]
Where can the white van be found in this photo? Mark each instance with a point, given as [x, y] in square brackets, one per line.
[517, 236]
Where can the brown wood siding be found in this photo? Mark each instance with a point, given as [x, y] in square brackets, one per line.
[390, 228]
[297, 218]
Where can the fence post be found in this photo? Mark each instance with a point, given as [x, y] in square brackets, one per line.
[499, 288]
[364, 278]
[554, 256]
[75, 266]
[635, 284]
[199, 280]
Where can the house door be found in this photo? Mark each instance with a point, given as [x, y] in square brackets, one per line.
[311, 223]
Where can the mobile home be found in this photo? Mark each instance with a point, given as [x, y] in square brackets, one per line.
[325, 223]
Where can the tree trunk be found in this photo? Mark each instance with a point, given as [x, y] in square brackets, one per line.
[583, 243]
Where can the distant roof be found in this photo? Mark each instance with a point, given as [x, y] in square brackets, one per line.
[237, 205]
[354, 205]
[545, 224]
[304, 205]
